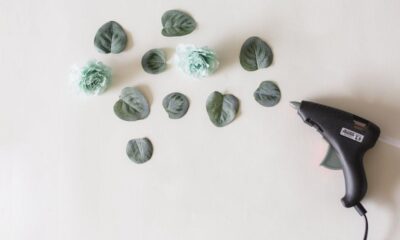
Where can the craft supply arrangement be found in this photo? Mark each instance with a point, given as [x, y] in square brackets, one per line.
[197, 62]
[200, 120]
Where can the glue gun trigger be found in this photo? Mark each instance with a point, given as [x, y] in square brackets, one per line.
[332, 159]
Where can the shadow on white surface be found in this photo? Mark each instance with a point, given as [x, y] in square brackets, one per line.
[228, 52]
[124, 72]
[129, 44]
[382, 166]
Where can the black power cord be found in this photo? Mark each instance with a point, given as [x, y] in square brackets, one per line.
[363, 212]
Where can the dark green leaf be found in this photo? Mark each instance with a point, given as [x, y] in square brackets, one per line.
[222, 109]
[139, 150]
[111, 37]
[154, 61]
[177, 23]
[267, 94]
[132, 105]
[176, 105]
[255, 54]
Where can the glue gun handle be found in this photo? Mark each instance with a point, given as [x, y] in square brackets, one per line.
[355, 179]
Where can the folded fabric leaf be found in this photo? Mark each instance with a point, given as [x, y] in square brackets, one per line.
[92, 79]
[132, 105]
[267, 94]
[139, 150]
[222, 108]
[255, 54]
[154, 61]
[111, 37]
[196, 62]
[176, 105]
[177, 23]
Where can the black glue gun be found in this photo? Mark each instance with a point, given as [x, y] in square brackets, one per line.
[349, 137]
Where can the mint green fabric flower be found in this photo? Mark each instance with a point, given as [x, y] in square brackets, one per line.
[196, 62]
[93, 78]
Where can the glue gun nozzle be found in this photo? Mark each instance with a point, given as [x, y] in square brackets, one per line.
[295, 105]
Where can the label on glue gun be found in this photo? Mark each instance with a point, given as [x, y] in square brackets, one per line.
[352, 135]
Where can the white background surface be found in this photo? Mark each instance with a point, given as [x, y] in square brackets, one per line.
[63, 169]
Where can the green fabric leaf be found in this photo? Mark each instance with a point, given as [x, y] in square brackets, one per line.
[267, 94]
[177, 23]
[255, 54]
[111, 37]
[132, 105]
[154, 61]
[139, 150]
[176, 105]
[222, 109]
[332, 160]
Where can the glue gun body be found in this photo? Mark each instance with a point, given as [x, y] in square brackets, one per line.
[350, 136]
